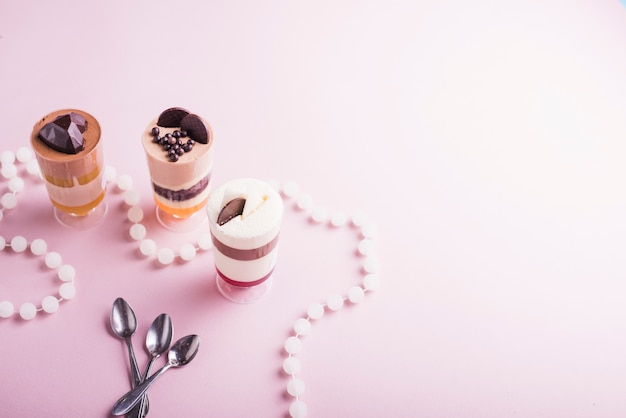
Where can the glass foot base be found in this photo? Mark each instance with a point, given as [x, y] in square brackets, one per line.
[239, 294]
[82, 222]
[176, 224]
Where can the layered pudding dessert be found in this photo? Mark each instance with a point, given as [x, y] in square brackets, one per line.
[68, 150]
[244, 219]
[179, 146]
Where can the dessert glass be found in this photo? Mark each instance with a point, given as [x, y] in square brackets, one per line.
[181, 181]
[245, 218]
[71, 161]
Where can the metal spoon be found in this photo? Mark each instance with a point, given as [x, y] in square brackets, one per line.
[181, 353]
[124, 325]
[158, 340]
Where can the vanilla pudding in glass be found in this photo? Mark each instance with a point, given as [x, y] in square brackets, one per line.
[179, 150]
[69, 153]
[245, 218]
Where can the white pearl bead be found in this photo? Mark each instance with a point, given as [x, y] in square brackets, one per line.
[8, 171]
[371, 264]
[67, 291]
[359, 219]
[53, 260]
[38, 247]
[302, 326]
[304, 202]
[338, 219]
[295, 387]
[28, 311]
[165, 256]
[205, 242]
[110, 173]
[138, 232]
[291, 365]
[315, 311]
[50, 304]
[293, 345]
[290, 189]
[8, 201]
[6, 309]
[32, 167]
[7, 157]
[66, 273]
[125, 182]
[19, 243]
[371, 282]
[187, 252]
[16, 184]
[24, 154]
[3, 242]
[319, 215]
[298, 409]
[334, 302]
[366, 247]
[356, 294]
[135, 214]
[131, 197]
[369, 231]
[148, 247]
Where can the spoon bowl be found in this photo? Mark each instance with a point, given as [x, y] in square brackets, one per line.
[181, 353]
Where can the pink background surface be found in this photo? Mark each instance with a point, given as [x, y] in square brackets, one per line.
[486, 140]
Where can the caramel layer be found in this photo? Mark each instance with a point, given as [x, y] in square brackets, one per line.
[181, 213]
[82, 180]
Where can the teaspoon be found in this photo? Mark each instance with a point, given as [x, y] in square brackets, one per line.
[181, 353]
[124, 325]
[158, 340]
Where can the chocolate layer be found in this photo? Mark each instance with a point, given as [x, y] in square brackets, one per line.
[182, 194]
[243, 284]
[245, 255]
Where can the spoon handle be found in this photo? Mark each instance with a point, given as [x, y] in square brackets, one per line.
[140, 411]
[143, 410]
[130, 399]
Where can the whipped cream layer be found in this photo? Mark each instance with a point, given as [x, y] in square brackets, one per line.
[246, 246]
[180, 188]
[74, 182]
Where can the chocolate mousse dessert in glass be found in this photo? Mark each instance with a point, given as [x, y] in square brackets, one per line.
[69, 153]
[179, 148]
[245, 218]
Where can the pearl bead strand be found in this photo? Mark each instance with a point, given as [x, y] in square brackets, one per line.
[9, 171]
[138, 231]
[52, 260]
[367, 232]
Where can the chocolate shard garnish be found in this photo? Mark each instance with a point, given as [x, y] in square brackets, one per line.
[231, 210]
[62, 136]
[171, 118]
[195, 128]
[64, 121]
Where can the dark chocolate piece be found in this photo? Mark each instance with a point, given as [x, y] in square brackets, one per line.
[231, 210]
[172, 117]
[195, 128]
[64, 121]
[65, 133]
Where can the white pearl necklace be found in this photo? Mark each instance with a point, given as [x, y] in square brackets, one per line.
[18, 244]
[367, 232]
